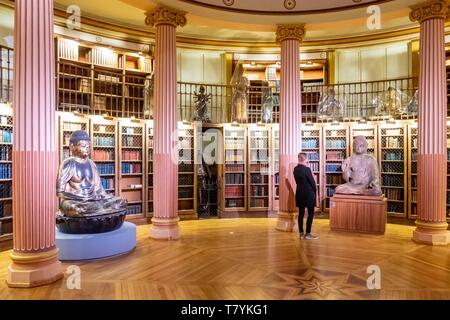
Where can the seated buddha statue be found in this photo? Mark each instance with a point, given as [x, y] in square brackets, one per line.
[360, 171]
[79, 186]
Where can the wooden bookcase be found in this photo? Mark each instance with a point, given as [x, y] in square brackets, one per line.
[258, 168]
[187, 185]
[99, 80]
[6, 138]
[392, 148]
[149, 169]
[311, 143]
[104, 152]
[412, 170]
[235, 170]
[132, 149]
[68, 123]
[275, 157]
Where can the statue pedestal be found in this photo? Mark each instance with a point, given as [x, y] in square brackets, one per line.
[353, 213]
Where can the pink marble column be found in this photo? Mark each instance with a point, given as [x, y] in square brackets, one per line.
[165, 152]
[290, 120]
[35, 158]
[432, 153]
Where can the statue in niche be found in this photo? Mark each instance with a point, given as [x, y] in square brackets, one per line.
[85, 207]
[201, 105]
[330, 107]
[267, 105]
[360, 171]
[413, 104]
[239, 100]
[148, 96]
[390, 103]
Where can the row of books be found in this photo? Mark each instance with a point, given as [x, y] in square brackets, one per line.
[310, 143]
[393, 194]
[106, 168]
[260, 167]
[5, 190]
[395, 207]
[134, 209]
[5, 153]
[107, 58]
[393, 132]
[107, 183]
[336, 144]
[259, 144]
[6, 136]
[108, 78]
[185, 167]
[128, 168]
[234, 167]
[313, 156]
[333, 168]
[259, 178]
[131, 142]
[234, 158]
[331, 192]
[392, 181]
[414, 196]
[258, 203]
[234, 191]
[334, 179]
[259, 134]
[256, 155]
[68, 50]
[5, 209]
[311, 133]
[314, 166]
[235, 133]
[72, 126]
[103, 155]
[234, 203]
[392, 167]
[185, 193]
[131, 155]
[398, 156]
[5, 170]
[104, 141]
[335, 155]
[259, 191]
[393, 142]
[234, 178]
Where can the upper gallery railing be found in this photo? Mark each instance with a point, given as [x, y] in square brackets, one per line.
[87, 90]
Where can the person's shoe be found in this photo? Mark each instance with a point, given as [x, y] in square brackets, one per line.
[302, 235]
[311, 236]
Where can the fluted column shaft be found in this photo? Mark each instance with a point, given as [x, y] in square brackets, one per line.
[290, 118]
[432, 151]
[165, 151]
[35, 159]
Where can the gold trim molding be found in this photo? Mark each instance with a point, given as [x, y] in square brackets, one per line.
[165, 15]
[34, 257]
[290, 31]
[434, 9]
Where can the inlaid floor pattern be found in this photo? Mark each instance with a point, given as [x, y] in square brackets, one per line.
[249, 259]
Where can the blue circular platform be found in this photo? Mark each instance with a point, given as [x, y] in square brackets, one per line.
[74, 247]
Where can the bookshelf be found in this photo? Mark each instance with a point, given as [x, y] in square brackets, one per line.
[311, 143]
[104, 152]
[254, 102]
[6, 74]
[275, 157]
[259, 166]
[100, 81]
[393, 166]
[149, 171]
[6, 139]
[69, 123]
[336, 151]
[131, 167]
[187, 191]
[412, 170]
[235, 169]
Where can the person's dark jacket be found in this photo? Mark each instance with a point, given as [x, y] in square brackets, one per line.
[305, 194]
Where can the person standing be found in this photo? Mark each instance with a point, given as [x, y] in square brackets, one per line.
[305, 195]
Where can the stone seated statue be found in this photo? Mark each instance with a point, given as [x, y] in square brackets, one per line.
[85, 207]
[360, 171]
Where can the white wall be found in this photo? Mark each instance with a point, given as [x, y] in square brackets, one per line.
[373, 63]
[201, 66]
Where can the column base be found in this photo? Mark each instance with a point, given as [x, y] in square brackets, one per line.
[286, 221]
[165, 229]
[435, 234]
[30, 270]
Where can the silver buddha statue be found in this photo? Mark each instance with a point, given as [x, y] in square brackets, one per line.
[81, 193]
[360, 171]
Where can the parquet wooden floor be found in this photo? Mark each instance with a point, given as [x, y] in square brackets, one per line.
[249, 259]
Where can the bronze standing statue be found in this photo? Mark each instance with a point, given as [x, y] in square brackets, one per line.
[201, 105]
[85, 207]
